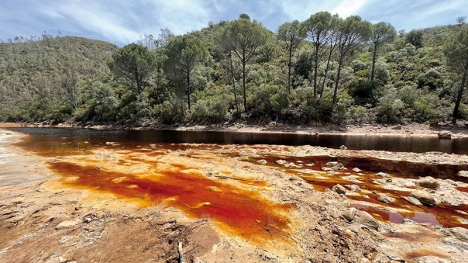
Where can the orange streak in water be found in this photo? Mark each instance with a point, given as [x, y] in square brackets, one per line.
[236, 210]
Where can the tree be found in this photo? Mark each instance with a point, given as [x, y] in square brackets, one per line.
[414, 37]
[184, 53]
[456, 52]
[352, 32]
[290, 35]
[461, 20]
[332, 41]
[135, 64]
[318, 28]
[243, 37]
[382, 33]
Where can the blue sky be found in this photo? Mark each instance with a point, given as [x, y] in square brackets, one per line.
[124, 21]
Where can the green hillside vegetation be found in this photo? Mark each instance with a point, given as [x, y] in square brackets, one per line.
[323, 69]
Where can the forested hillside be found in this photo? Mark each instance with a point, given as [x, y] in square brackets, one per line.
[41, 77]
[325, 68]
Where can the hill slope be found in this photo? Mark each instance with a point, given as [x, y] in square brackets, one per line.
[38, 75]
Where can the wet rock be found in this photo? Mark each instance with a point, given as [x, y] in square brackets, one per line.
[460, 233]
[412, 200]
[262, 161]
[338, 188]
[445, 135]
[385, 198]
[356, 170]
[333, 166]
[463, 174]
[428, 182]
[382, 174]
[454, 242]
[354, 187]
[366, 219]
[350, 214]
[431, 259]
[424, 197]
[342, 147]
[66, 224]
[281, 162]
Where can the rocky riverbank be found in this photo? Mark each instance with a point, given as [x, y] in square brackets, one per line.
[298, 204]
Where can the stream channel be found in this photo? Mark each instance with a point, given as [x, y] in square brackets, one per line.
[52, 142]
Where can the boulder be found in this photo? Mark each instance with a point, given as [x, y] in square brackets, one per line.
[445, 135]
[342, 147]
[67, 224]
[460, 233]
[463, 174]
[338, 188]
[412, 200]
[385, 198]
[424, 197]
[356, 170]
[333, 166]
[366, 219]
[349, 214]
[428, 182]
[262, 161]
[382, 174]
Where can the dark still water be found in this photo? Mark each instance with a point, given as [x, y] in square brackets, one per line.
[353, 142]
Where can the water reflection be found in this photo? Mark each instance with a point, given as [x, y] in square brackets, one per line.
[353, 142]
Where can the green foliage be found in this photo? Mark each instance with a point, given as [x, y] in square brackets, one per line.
[415, 38]
[134, 64]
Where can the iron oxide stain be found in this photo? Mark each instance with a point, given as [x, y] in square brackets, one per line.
[237, 211]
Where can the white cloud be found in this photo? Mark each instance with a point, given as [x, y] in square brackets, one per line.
[348, 7]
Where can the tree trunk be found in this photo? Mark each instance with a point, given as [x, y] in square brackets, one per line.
[243, 82]
[326, 71]
[315, 68]
[233, 83]
[373, 61]
[340, 64]
[289, 69]
[188, 89]
[460, 93]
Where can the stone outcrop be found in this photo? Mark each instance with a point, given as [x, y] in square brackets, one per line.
[428, 182]
[424, 197]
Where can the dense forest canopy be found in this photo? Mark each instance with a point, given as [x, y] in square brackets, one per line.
[326, 69]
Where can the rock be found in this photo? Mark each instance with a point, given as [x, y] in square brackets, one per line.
[364, 260]
[281, 162]
[381, 258]
[463, 174]
[460, 233]
[338, 188]
[366, 219]
[428, 182]
[349, 214]
[445, 135]
[87, 220]
[398, 127]
[424, 197]
[382, 174]
[296, 180]
[454, 242]
[356, 170]
[412, 200]
[335, 166]
[342, 147]
[66, 224]
[354, 187]
[385, 198]
[262, 161]
[431, 259]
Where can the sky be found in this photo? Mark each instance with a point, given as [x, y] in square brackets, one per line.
[125, 21]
